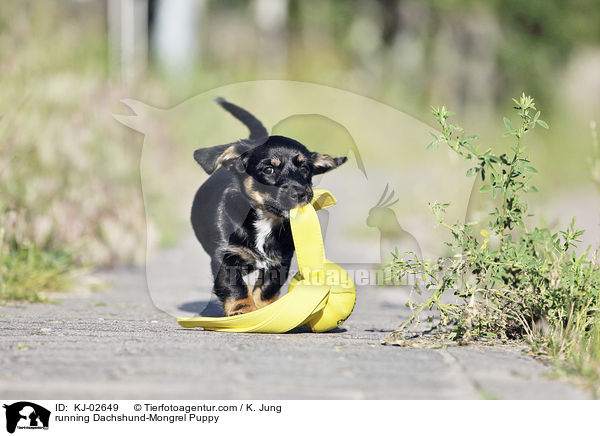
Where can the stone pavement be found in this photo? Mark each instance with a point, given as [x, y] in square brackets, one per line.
[116, 344]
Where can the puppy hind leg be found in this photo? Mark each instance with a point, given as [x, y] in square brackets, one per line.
[235, 306]
[258, 286]
[232, 291]
[267, 290]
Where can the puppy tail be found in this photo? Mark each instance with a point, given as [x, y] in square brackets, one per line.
[257, 130]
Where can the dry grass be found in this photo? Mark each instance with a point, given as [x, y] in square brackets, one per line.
[69, 174]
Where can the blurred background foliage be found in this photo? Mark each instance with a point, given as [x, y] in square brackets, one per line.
[69, 174]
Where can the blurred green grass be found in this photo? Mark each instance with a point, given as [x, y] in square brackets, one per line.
[69, 182]
[29, 273]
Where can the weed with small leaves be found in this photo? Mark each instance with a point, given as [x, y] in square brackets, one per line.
[512, 282]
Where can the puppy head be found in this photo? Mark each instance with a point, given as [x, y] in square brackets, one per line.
[275, 176]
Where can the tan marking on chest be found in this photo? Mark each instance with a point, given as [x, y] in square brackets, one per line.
[256, 195]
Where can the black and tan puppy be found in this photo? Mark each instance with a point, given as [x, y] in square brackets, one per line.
[240, 214]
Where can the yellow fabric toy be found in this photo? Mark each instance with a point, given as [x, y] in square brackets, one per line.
[321, 295]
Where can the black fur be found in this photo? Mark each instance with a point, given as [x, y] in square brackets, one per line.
[240, 214]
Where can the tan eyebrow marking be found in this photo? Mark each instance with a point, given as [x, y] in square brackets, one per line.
[275, 161]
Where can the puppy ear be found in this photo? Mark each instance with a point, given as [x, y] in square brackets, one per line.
[228, 156]
[323, 162]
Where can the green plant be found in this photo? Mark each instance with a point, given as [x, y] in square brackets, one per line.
[27, 272]
[69, 177]
[514, 282]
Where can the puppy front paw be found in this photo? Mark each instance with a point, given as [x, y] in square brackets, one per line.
[237, 307]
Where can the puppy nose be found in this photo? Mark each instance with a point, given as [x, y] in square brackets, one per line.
[301, 196]
[297, 193]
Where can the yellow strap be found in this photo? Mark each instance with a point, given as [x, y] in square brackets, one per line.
[306, 231]
[309, 299]
[307, 240]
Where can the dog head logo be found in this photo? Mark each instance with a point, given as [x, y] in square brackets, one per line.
[26, 415]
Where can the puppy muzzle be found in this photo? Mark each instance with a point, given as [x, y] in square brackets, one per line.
[297, 195]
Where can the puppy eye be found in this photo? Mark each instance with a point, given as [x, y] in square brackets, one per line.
[268, 170]
[304, 170]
